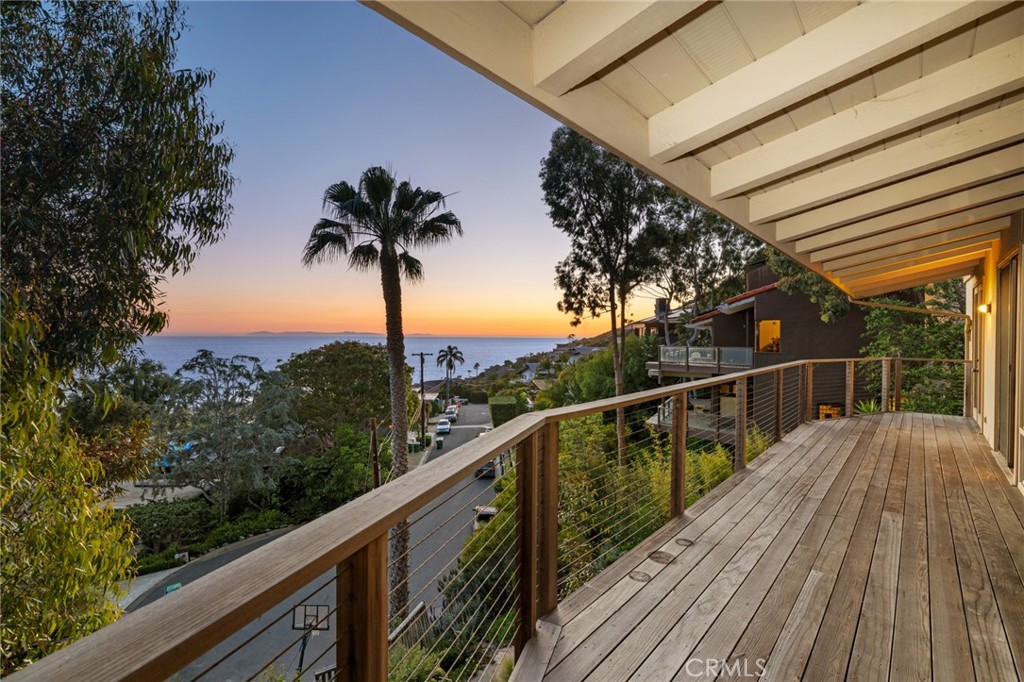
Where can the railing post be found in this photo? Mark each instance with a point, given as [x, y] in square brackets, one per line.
[739, 462]
[549, 519]
[362, 614]
[526, 512]
[679, 429]
[898, 384]
[809, 394]
[885, 384]
[968, 387]
[851, 376]
[779, 382]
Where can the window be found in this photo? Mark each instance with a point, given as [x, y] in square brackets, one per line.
[768, 336]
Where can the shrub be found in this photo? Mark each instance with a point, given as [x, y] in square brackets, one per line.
[478, 397]
[160, 524]
[705, 470]
[867, 407]
[757, 442]
[242, 528]
[503, 409]
[151, 563]
[414, 664]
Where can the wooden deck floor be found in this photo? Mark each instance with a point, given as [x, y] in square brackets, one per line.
[884, 547]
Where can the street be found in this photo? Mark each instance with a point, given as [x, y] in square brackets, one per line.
[437, 535]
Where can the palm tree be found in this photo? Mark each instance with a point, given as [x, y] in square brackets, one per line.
[448, 357]
[476, 368]
[375, 225]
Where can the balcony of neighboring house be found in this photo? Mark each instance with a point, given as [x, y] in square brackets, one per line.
[853, 524]
[678, 361]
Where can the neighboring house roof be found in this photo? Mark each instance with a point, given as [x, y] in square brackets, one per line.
[735, 303]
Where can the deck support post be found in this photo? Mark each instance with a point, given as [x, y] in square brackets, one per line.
[362, 614]
[897, 383]
[679, 429]
[969, 387]
[549, 519]
[779, 382]
[526, 511]
[739, 462]
[809, 393]
[851, 376]
[885, 384]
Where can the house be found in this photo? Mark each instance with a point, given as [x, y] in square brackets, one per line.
[876, 143]
[759, 327]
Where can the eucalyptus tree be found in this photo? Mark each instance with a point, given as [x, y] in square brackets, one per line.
[447, 357]
[609, 210]
[375, 225]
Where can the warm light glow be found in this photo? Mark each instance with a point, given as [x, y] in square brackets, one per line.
[985, 308]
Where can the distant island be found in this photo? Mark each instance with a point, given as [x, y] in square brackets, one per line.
[346, 333]
[314, 334]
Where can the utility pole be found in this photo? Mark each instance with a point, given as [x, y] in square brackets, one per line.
[374, 448]
[423, 402]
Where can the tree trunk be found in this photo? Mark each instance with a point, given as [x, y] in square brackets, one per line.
[392, 285]
[620, 386]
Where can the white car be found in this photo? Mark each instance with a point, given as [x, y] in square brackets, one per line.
[443, 426]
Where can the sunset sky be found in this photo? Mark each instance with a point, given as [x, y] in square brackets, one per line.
[314, 93]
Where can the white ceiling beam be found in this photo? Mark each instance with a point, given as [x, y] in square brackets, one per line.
[985, 76]
[875, 278]
[844, 47]
[580, 38]
[954, 178]
[981, 242]
[936, 226]
[987, 228]
[914, 281]
[943, 212]
[946, 145]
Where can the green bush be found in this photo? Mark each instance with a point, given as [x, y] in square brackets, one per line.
[503, 409]
[160, 524]
[478, 397]
[757, 442]
[705, 470]
[241, 528]
[151, 563]
[414, 664]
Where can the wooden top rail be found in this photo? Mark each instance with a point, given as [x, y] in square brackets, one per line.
[158, 640]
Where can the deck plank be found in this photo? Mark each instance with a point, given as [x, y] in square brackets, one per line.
[911, 656]
[977, 544]
[886, 547]
[951, 648]
[872, 645]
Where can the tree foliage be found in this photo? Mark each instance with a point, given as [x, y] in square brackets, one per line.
[111, 411]
[609, 211]
[345, 382]
[702, 257]
[225, 424]
[793, 277]
[114, 173]
[447, 357]
[64, 549]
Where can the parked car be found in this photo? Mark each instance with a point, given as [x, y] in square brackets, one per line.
[483, 515]
[460, 400]
[443, 426]
[488, 470]
[451, 414]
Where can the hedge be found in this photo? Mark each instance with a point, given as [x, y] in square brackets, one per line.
[503, 409]
[478, 397]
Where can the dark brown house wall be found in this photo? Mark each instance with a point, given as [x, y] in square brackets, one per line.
[803, 335]
[733, 330]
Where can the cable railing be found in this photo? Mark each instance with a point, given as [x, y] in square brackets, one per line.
[444, 572]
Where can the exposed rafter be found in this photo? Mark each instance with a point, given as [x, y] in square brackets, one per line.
[919, 279]
[961, 85]
[981, 243]
[828, 244]
[580, 38]
[853, 42]
[911, 245]
[876, 278]
[935, 184]
[945, 145]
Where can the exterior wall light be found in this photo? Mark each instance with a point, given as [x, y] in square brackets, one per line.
[985, 308]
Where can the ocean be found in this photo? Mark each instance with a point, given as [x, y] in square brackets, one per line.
[272, 350]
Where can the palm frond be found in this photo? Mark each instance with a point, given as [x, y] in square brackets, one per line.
[436, 230]
[364, 256]
[328, 241]
[377, 185]
[338, 194]
[412, 268]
